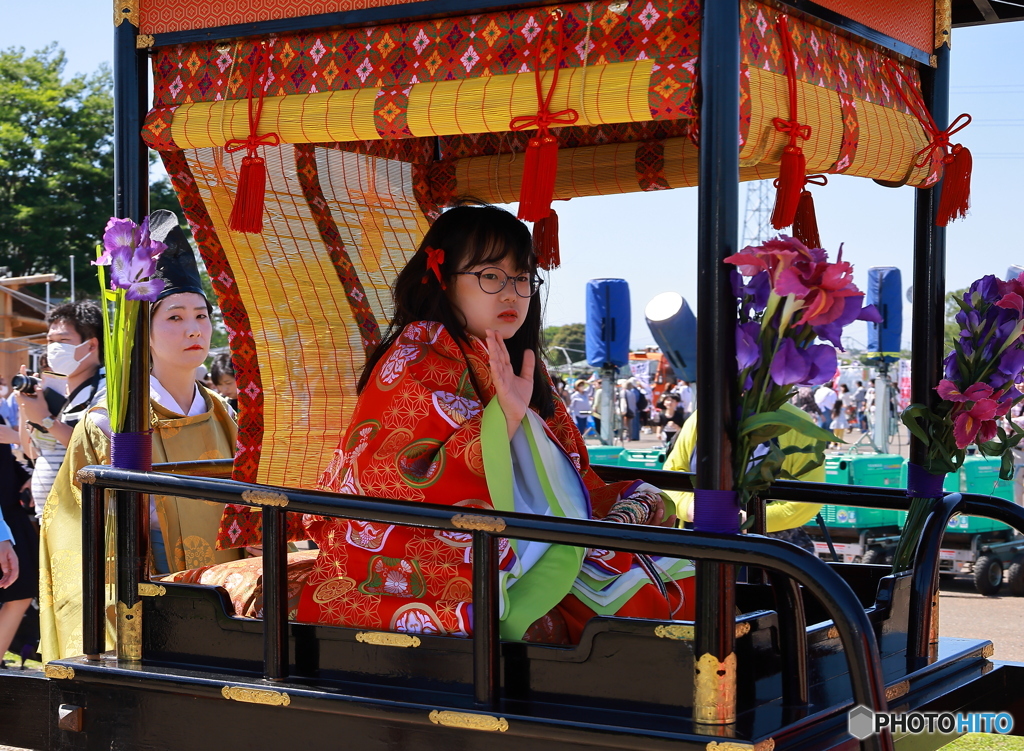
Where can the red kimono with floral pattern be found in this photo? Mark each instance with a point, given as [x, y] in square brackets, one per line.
[415, 435]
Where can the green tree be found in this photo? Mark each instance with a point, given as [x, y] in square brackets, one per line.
[572, 337]
[952, 332]
[56, 165]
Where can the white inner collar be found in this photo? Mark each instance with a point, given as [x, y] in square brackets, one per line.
[164, 399]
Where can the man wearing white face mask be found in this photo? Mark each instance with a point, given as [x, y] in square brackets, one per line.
[74, 351]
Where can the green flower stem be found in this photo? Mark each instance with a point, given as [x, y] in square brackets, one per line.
[903, 557]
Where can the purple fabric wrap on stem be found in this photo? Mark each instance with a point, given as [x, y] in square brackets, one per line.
[132, 451]
[923, 484]
[716, 511]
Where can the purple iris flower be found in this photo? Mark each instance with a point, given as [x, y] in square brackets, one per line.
[748, 350]
[987, 289]
[1011, 362]
[790, 364]
[759, 288]
[823, 363]
[950, 368]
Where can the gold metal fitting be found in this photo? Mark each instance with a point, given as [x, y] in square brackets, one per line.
[384, 639]
[469, 721]
[714, 693]
[126, 10]
[265, 497]
[256, 696]
[151, 590]
[129, 631]
[144, 41]
[675, 631]
[58, 672]
[85, 477]
[896, 690]
[478, 523]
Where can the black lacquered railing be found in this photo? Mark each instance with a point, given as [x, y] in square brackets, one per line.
[785, 560]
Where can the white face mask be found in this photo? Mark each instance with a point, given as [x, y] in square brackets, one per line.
[4, 391]
[60, 356]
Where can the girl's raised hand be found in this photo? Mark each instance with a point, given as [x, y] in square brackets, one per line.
[514, 392]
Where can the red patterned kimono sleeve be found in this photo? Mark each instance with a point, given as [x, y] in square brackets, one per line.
[415, 432]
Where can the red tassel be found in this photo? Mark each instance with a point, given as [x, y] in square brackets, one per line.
[805, 223]
[956, 187]
[539, 168]
[792, 176]
[247, 213]
[545, 242]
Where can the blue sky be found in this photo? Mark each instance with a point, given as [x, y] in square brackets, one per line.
[649, 239]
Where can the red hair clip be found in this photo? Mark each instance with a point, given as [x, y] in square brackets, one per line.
[435, 257]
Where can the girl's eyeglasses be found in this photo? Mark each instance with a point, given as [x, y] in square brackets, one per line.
[493, 280]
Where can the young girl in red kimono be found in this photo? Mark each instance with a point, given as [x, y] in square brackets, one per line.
[454, 408]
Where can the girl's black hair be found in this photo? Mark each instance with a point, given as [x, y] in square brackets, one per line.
[469, 235]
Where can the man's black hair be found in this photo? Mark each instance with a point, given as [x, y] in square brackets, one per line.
[86, 318]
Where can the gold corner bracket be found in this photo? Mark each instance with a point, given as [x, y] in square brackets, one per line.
[469, 721]
[265, 498]
[86, 477]
[714, 690]
[151, 590]
[144, 41]
[943, 23]
[126, 10]
[129, 631]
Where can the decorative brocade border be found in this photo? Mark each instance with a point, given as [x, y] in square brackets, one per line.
[309, 178]
[244, 356]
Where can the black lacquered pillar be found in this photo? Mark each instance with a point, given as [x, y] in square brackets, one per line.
[131, 200]
[928, 332]
[717, 231]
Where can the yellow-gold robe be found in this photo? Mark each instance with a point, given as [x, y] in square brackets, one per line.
[189, 526]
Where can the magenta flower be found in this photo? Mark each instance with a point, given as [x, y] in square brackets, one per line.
[976, 424]
[975, 392]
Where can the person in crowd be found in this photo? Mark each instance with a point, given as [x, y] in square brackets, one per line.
[685, 391]
[9, 406]
[869, 406]
[223, 375]
[629, 409]
[825, 397]
[560, 390]
[803, 399]
[190, 422]
[840, 422]
[580, 406]
[783, 519]
[596, 407]
[74, 353]
[464, 342]
[672, 418]
[860, 397]
[16, 527]
[9, 566]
